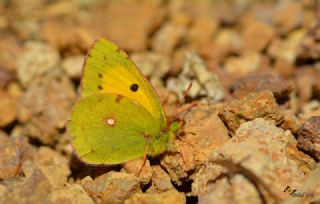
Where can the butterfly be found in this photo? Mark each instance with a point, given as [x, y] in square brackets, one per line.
[118, 116]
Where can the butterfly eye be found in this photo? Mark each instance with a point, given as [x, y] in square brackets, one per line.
[134, 87]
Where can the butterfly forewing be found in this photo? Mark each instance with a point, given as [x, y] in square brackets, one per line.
[109, 70]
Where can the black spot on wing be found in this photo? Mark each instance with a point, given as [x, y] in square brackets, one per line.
[134, 87]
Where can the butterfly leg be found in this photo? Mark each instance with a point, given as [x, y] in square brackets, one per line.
[181, 155]
[147, 138]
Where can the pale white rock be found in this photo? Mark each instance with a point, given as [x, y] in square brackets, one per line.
[204, 82]
[37, 59]
[73, 66]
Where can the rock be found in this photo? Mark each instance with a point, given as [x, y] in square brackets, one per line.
[256, 36]
[309, 48]
[160, 181]
[309, 189]
[178, 58]
[76, 39]
[228, 191]
[113, 187]
[127, 23]
[45, 107]
[55, 175]
[228, 39]
[15, 150]
[305, 80]
[289, 121]
[42, 180]
[261, 82]
[243, 65]
[203, 132]
[73, 66]
[286, 49]
[134, 167]
[48, 157]
[309, 137]
[37, 59]
[70, 193]
[262, 154]
[254, 105]
[284, 68]
[202, 29]
[171, 196]
[14, 90]
[168, 37]
[5, 78]
[212, 51]
[11, 50]
[8, 109]
[285, 9]
[151, 63]
[203, 81]
[310, 109]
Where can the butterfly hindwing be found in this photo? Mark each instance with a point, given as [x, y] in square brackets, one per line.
[110, 129]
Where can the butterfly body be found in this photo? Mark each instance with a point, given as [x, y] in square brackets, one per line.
[118, 117]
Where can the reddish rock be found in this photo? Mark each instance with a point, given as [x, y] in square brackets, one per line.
[76, 38]
[305, 79]
[203, 133]
[171, 196]
[8, 109]
[5, 78]
[262, 82]
[309, 137]
[128, 23]
[15, 150]
[256, 36]
[261, 154]
[213, 51]
[288, 15]
[254, 105]
[10, 49]
[284, 68]
[202, 30]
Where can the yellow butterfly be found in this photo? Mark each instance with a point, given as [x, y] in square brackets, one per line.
[119, 116]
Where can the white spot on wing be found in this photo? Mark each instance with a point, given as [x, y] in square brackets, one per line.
[110, 121]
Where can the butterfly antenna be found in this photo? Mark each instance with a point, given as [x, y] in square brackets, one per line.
[176, 113]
